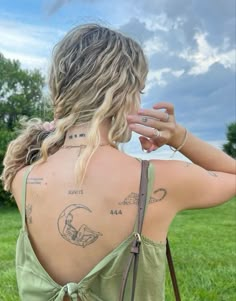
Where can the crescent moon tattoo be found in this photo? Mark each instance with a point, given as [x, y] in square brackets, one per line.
[78, 235]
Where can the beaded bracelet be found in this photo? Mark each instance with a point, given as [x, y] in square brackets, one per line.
[181, 145]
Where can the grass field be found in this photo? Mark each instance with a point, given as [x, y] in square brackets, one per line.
[203, 244]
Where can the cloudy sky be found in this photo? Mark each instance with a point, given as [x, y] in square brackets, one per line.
[190, 46]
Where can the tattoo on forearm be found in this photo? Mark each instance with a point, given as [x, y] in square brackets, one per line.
[75, 191]
[70, 229]
[212, 173]
[28, 213]
[35, 181]
[132, 198]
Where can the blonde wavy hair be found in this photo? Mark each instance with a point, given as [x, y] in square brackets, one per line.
[96, 74]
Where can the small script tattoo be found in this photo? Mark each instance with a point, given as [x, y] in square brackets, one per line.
[187, 164]
[75, 191]
[212, 173]
[28, 213]
[77, 135]
[116, 212]
[37, 181]
[70, 228]
[132, 198]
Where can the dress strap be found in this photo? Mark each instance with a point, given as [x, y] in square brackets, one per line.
[151, 177]
[23, 195]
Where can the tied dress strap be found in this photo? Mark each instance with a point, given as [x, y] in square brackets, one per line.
[23, 195]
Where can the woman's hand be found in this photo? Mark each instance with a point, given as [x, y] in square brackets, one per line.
[156, 127]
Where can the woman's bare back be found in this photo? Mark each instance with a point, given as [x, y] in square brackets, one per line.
[72, 228]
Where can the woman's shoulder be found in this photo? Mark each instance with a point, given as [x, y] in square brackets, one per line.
[17, 184]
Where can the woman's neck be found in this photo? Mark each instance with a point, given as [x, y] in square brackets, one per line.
[77, 135]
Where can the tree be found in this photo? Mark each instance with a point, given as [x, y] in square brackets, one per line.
[21, 94]
[230, 146]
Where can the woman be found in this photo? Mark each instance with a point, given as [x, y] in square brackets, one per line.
[79, 194]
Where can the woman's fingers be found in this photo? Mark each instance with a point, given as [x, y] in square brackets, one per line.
[156, 125]
[165, 105]
[152, 133]
[159, 115]
[145, 143]
[149, 122]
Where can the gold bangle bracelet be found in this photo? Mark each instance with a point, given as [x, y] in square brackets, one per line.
[181, 145]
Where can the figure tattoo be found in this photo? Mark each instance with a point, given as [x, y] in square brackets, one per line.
[72, 231]
[132, 198]
[28, 213]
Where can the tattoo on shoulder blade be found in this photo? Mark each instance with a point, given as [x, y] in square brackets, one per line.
[115, 212]
[212, 173]
[34, 181]
[132, 198]
[72, 230]
[28, 213]
[75, 191]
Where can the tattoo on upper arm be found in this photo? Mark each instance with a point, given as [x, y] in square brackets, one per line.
[212, 173]
[132, 198]
[28, 213]
[73, 231]
[160, 194]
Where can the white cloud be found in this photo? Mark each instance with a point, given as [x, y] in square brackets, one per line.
[206, 55]
[28, 61]
[159, 22]
[157, 77]
[30, 44]
[153, 46]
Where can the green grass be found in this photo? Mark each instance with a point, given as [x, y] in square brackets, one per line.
[203, 244]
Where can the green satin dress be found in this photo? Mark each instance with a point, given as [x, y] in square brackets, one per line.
[103, 282]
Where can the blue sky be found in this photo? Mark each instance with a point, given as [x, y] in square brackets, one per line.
[190, 46]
